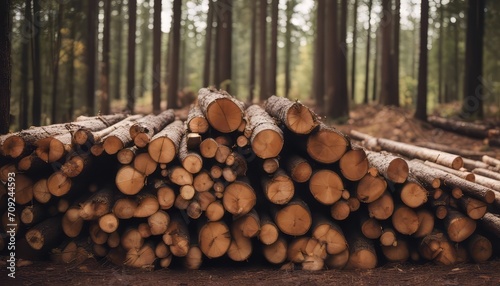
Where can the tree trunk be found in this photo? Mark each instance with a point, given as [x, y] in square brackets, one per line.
[145, 40]
[253, 53]
[319, 57]
[208, 44]
[118, 51]
[376, 67]
[395, 55]
[331, 45]
[37, 76]
[473, 99]
[267, 138]
[368, 42]
[5, 62]
[440, 54]
[105, 68]
[288, 46]
[263, 47]
[297, 117]
[92, 22]
[157, 57]
[173, 84]
[24, 99]
[274, 47]
[132, 15]
[223, 45]
[71, 72]
[223, 112]
[354, 40]
[386, 25]
[421, 112]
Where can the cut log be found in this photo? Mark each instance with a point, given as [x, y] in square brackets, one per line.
[147, 205]
[72, 223]
[488, 182]
[97, 205]
[458, 226]
[299, 169]
[338, 261]
[166, 196]
[475, 209]
[187, 192]
[23, 189]
[354, 164]
[461, 127]
[413, 194]
[438, 248]
[208, 148]
[202, 181]
[83, 136]
[75, 165]
[279, 188]
[327, 145]
[205, 199]
[461, 174]
[370, 188]
[473, 164]
[196, 121]
[45, 234]
[215, 211]
[109, 223]
[30, 162]
[165, 144]
[270, 165]
[487, 173]
[145, 128]
[240, 248]
[247, 225]
[158, 222]
[117, 139]
[180, 176]
[190, 160]
[97, 235]
[124, 208]
[326, 186]
[393, 168]
[144, 230]
[177, 236]
[425, 223]
[214, 239]
[239, 198]
[194, 258]
[131, 239]
[59, 184]
[223, 112]
[33, 214]
[382, 208]
[126, 156]
[215, 172]
[405, 220]
[480, 248]
[362, 254]
[491, 222]
[412, 151]
[370, 227]
[144, 164]
[329, 233]
[399, 253]
[423, 172]
[41, 191]
[52, 149]
[194, 210]
[269, 232]
[141, 257]
[267, 137]
[222, 153]
[340, 210]
[275, 252]
[129, 180]
[293, 219]
[297, 117]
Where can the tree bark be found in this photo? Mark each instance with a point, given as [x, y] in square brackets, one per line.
[263, 47]
[93, 11]
[105, 68]
[118, 51]
[253, 53]
[223, 45]
[173, 83]
[37, 76]
[297, 117]
[354, 41]
[5, 62]
[132, 16]
[368, 42]
[208, 44]
[274, 47]
[290, 5]
[395, 54]
[331, 48]
[24, 99]
[157, 57]
[386, 24]
[421, 111]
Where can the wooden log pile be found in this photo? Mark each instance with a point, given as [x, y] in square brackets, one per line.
[268, 182]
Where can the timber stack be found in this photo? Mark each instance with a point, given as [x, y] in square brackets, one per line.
[254, 183]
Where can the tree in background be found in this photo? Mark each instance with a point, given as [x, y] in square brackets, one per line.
[145, 48]
[354, 40]
[394, 91]
[132, 12]
[93, 11]
[24, 98]
[339, 103]
[263, 47]
[208, 44]
[368, 42]
[319, 57]
[5, 71]
[223, 45]
[474, 91]
[290, 5]
[118, 50]
[55, 67]
[387, 76]
[331, 44]
[253, 52]
[37, 73]
[157, 56]
[175, 30]
[105, 65]
[421, 111]
[274, 47]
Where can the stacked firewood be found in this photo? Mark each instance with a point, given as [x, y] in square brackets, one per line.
[241, 182]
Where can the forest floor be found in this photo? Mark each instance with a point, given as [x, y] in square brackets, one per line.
[386, 122]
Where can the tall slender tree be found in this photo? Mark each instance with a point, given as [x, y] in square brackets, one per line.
[473, 87]
[440, 53]
[118, 51]
[105, 65]
[354, 41]
[71, 72]
[253, 52]
[273, 69]
[55, 64]
[24, 98]
[331, 44]
[386, 60]
[223, 44]
[5, 71]
[368, 43]
[132, 12]
[208, 44]
[157, 56]
[421, 111]
[339, 103]
[319, 56]
[290, 5]
[376, 66]
[37, 72]
[394, 93]
[145, 49]
[263, 47]
[175, 30]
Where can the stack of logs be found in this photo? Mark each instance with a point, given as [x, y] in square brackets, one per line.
[248, 184]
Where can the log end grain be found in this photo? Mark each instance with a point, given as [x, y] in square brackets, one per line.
[326, 186]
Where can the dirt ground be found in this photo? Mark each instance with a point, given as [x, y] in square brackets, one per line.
[384, 122]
